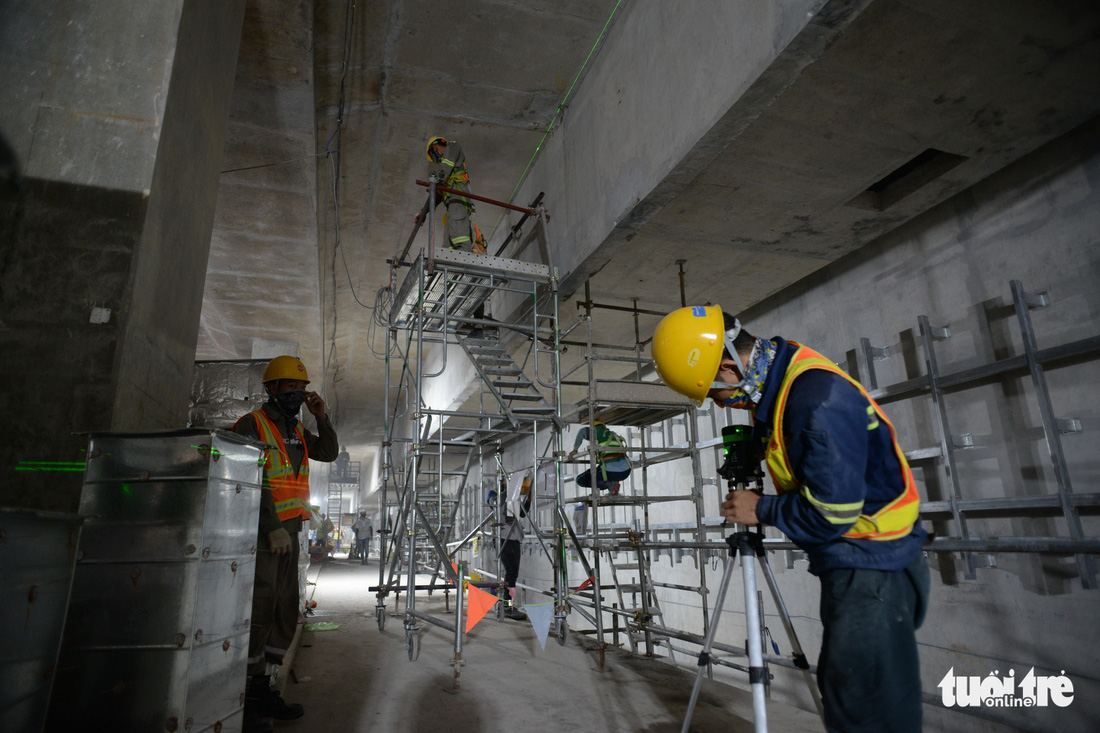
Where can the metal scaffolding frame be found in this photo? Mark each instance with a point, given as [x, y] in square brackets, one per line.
[439, 298]
[338, 481]
[439, 304]
[630, 403]
[641, 405]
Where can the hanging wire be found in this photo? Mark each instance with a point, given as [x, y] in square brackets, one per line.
[268, 165]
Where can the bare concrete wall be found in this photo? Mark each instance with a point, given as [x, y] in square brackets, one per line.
[103, 246]
[85, 88]
[156, 358]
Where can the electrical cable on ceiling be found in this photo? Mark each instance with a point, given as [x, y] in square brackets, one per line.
[334, 167]
[334, 160]
[268, 165]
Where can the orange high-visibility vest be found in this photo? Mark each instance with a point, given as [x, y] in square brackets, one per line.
[290, 490]
[892, 521]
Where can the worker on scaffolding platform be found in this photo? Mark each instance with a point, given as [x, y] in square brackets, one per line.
[341, 464]
[462, 233]
[284, 504]
[846, 497]
[613, 466]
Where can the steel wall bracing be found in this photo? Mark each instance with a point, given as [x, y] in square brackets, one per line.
[951, 447]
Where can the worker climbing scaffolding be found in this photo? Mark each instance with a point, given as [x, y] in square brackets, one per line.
[613, 466]
[462, 233]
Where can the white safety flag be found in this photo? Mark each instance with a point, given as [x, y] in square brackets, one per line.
[540, 617]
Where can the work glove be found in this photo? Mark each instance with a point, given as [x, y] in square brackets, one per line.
[279, 541]
[419, 219]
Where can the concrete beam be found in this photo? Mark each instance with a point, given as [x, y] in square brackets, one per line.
[106, 243]
[661, 101]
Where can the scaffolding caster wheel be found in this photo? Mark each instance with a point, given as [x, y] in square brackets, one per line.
[380, 617]
[412, 643]
[562, 631]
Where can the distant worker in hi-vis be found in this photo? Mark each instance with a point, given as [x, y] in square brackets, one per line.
[846, 497]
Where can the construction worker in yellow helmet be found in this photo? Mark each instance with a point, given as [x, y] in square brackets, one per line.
[449, 165]
[845, 495]
[284, 504]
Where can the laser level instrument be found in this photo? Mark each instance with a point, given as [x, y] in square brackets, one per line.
[742, 472]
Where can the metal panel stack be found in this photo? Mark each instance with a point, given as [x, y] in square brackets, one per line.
[157, 633]
[37, 556]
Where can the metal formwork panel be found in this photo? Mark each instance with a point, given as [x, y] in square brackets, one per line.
[37, 558]
[157, 635]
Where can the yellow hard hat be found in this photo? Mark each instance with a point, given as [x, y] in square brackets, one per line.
[432, 141]
[286, 367]
[687, 349]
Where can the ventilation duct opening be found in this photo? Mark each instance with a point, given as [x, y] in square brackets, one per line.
[905, 179]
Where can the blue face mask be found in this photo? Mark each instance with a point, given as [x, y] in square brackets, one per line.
[747, 392]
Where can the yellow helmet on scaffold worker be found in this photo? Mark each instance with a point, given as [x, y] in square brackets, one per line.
[687, 349]
[286, 367]
[432, 141]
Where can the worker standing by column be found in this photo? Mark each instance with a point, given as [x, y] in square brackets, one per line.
[846, 497]
[284, 504]
[461, 232]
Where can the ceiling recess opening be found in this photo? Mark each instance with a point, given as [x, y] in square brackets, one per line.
[905, 179]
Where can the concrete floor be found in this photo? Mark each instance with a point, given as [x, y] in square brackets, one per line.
[356, 678]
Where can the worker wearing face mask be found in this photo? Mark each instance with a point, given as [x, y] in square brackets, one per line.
[284, 505]
[846, 497]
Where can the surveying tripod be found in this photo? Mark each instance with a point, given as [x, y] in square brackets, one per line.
[743, 473]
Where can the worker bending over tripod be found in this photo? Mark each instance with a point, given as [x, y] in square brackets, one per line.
[846, 497]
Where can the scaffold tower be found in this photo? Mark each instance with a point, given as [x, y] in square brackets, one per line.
[435, 457]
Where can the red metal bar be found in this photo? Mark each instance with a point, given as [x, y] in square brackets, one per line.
[468, 195]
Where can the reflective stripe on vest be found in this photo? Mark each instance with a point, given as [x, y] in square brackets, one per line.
[893, 520]
[610, 441]
[290, 490]
[455, 180]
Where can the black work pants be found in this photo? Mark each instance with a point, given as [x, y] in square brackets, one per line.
[868, 671]
[604, 478]
[274, 602]
[509, 558]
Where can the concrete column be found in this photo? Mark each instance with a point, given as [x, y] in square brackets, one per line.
[116, 113]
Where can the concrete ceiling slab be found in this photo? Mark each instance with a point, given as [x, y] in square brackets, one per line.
[772, 195]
